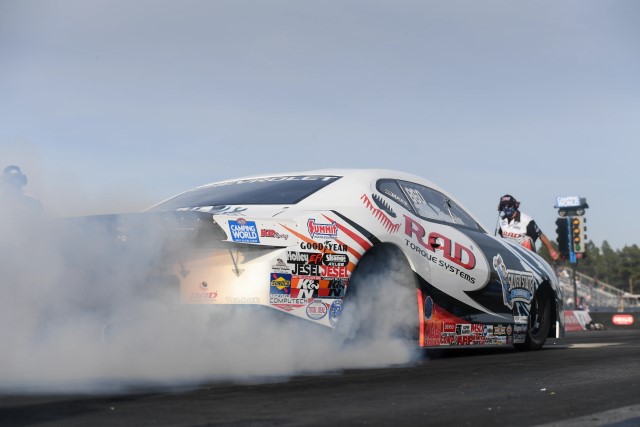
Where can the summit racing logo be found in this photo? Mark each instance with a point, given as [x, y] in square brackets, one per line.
[328, 231]
[516, 285]
[244, 231]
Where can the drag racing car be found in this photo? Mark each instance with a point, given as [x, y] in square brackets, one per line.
[313, 245]
[309, 244]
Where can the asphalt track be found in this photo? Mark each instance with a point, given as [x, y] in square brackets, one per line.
[590, 378]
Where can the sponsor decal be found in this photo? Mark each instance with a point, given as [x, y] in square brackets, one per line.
[469, 340]
[516, 285]
[328, 231]
[316, 310]
[519, 333]
[280, 284]
[304, 257]
[334, 312]
[449, 328]
[275, 299]
[324, 246]
[477, 328]
[242, 300]
[463, 329]
[451, 251]
[320, 271]
[339, 260]
[288, 307]
[305, 288]
[439, 262]
[381, 214]
[334, 272]
[336, 289]
[306, 270]
[203, 296]
[499, 330]
[488, 330]
[313, 287]
[265, 232]
[519, 329]
[432, 332]
[495, 340]
[244, 231]
[217, 210]
[320, 178]
[280, 267]
[520, 319]
[511, 235]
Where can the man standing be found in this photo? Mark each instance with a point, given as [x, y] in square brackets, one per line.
[520, 227]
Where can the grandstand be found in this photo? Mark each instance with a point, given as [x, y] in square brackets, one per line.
[595, 295]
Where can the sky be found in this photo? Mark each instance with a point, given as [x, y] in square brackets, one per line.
[112, 106]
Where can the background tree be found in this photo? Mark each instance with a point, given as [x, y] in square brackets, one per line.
[629, 267]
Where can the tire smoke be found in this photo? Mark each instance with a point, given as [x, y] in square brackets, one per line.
[79, 313]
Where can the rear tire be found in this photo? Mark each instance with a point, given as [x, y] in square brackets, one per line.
[539, 322]
[381, 299]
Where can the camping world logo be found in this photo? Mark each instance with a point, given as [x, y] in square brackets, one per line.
[244, 231]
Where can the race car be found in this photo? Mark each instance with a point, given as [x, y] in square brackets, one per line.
[317, 245]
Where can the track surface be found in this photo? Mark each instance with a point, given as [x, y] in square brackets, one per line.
[572, 381]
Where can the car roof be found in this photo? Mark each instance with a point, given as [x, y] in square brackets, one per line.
[363, 175]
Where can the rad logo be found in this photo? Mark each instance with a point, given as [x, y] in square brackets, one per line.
[244, 231]
[328, 231]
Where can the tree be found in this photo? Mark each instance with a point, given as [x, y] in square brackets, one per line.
[629, 266]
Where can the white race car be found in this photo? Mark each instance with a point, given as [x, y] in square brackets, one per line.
[310, 244]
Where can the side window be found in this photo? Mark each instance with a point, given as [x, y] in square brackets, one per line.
[391, 189]
[432, 204]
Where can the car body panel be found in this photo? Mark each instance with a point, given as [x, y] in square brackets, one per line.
[298, 258]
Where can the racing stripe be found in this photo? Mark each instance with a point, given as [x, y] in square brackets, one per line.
[358, 239]
[298, 235]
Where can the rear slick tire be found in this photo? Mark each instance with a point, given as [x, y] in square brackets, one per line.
[381, 299]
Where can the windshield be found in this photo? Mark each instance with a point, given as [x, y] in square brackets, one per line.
[275, 190]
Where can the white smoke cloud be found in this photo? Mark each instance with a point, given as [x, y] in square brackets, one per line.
[78, 313]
